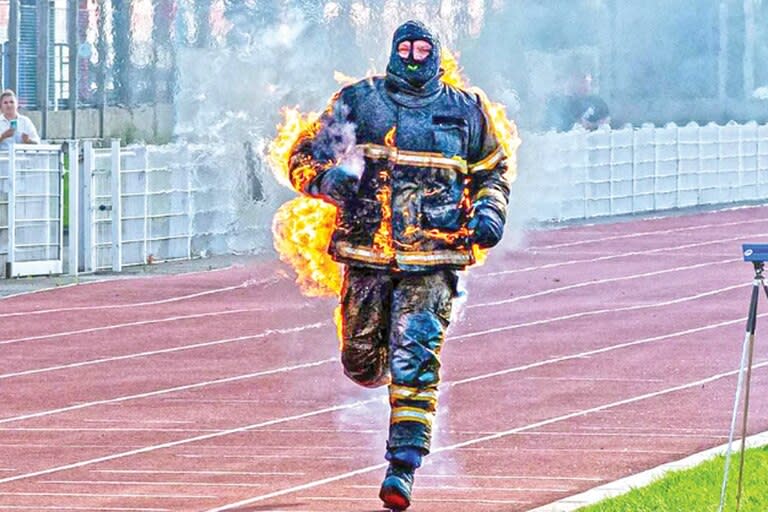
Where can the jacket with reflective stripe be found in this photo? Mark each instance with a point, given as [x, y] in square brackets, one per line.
[420, 181]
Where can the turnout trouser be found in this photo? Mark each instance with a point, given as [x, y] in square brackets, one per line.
[393, 330]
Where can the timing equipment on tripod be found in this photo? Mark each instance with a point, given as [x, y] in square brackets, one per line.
[757, 254]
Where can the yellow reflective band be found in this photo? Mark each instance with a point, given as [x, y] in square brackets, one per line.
[413, 158]
[425, 258]
[406, 393]
[489, 162]
[434, 258]
[363, 254]
[492, 192]
[400, 414]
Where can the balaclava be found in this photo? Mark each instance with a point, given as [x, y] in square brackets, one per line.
[407, 75]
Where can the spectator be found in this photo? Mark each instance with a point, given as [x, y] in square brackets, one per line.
[14, 127]
[578, 106]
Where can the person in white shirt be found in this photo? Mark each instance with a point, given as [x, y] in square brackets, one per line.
[14, 127]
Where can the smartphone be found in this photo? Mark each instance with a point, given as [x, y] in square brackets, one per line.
[14, 124]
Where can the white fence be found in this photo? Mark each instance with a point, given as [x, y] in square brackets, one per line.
[31, 210]
[135, 206]
[144, 204]
[581, 175]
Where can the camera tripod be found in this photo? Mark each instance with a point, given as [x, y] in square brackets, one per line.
[755, 254]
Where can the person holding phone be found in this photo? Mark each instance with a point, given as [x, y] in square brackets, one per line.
[14, 127]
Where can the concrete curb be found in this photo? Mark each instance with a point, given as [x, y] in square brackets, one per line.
[629, 483]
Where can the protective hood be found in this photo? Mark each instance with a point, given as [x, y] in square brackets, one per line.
[407, 76]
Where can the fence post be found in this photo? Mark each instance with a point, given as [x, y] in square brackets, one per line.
[117, 239]
[11, 211]
[74, 207]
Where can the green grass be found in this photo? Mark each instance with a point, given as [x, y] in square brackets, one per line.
[698, 489]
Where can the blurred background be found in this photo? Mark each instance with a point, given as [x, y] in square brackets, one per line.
[146, 69]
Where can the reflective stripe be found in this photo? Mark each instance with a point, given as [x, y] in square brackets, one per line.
[368, 255]
[489, 162]
[361, 253]
[400, 414]
[434, 258]
[407, 393]
[492, 192]
[413, 158]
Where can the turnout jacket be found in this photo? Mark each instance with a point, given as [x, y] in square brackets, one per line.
[429, 163]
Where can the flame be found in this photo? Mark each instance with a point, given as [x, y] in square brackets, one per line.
[451, 70]
[302, 228]
[338, 319]
[279, 150]
[389, 138]
[382, 239]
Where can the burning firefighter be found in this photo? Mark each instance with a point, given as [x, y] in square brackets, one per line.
[432, 187]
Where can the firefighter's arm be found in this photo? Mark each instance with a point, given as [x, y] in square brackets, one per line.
[314, 163]
[489, 191]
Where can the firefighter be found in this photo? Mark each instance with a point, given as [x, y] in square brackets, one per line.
[431, 186]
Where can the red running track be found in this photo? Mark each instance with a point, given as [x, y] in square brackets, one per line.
[594, 353]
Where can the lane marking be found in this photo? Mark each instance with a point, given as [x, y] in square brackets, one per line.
[276, 421]
[106, 495]
[471, 306]
[200, 472]
[491, 437]
[644, 233]
[595, 282]
[179, 442]
[677, 248]
[185, 387]
[245, 284]
[602, 350]
[133, 324]
[35, 508]
[117, 279]
[149, 482]
[594, 312]
[158, 392]
[181, 348]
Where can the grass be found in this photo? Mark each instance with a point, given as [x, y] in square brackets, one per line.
[698, 489]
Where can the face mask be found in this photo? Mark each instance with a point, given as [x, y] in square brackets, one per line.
[416, 73]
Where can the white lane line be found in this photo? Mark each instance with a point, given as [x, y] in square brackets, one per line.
[148, 353]
[133, 324]
[209, 473]
[596, 282]
[677, 248]
[424, 500]
[467, 335]
[245, 284]
[589, 353]
[642, 234]
[505, 301]
[470, 488]
[149, 482]
[277, 421]
[486, 438]
[106, 495]
[509, 477]
[180, 442]
[37, 508]
[594, 312]
[280, 456]
[118, 279]
[158, 392]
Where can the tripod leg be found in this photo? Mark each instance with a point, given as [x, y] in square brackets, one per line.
[751, 325]
[744, 356]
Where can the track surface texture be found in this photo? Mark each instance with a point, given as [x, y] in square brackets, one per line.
[588, 354]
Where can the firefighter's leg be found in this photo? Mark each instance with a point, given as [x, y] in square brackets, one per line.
[421, 309]
[365, 304]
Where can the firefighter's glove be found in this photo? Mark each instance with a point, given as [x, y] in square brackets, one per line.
[486, 226]
[338, 184]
